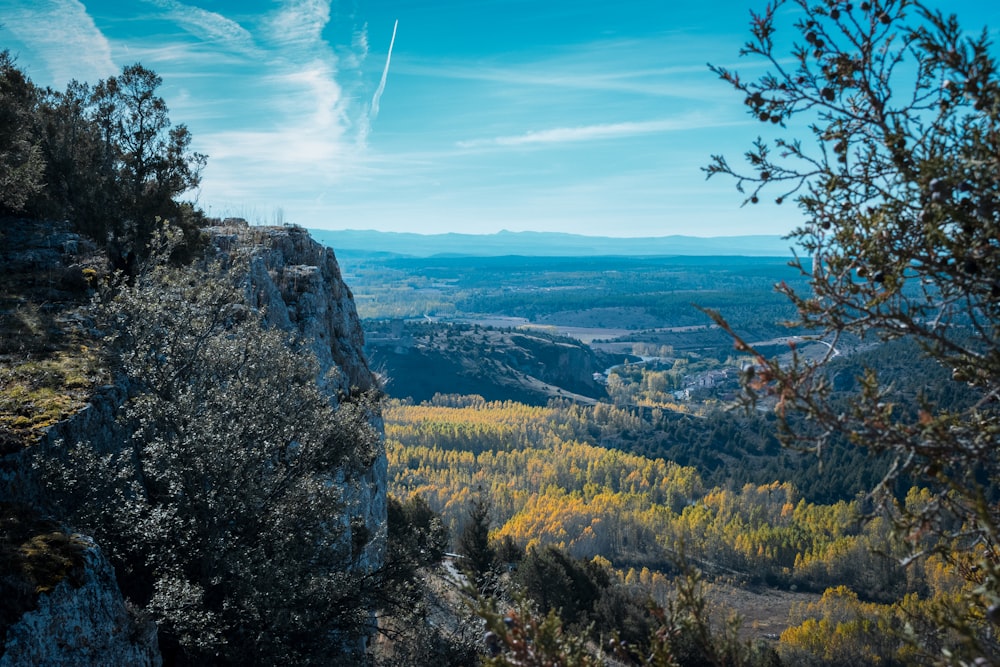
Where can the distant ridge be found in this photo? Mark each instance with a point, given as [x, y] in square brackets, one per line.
[547, 244]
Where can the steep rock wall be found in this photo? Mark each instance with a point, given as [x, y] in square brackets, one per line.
[567, 364]
[298, 284]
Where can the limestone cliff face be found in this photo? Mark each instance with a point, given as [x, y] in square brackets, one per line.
[298, 284]
[82, 621]
[421, 360]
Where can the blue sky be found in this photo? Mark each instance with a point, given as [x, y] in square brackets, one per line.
[562, 115]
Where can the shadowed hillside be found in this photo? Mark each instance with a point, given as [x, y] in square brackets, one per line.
[420, 360]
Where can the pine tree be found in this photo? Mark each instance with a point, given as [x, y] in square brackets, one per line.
[478, 556]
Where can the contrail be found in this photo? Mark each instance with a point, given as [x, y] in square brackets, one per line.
[385, 75]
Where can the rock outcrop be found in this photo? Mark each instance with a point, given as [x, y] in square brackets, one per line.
[424, 359]
[83, 621]
[297, 283]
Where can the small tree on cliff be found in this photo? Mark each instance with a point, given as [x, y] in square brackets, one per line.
[151, 160]
[899, 184]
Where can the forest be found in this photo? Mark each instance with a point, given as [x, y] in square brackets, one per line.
[862, 468]
[549, 483]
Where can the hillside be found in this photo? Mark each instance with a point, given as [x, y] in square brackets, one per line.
[203, 461]
[421, 359]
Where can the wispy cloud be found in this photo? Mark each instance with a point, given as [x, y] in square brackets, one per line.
[658, 67]
[304, 73]
[64, 36]
[311, 100]
[210, 26]
[298, 130]
[566, 135]
[657, 82]
[299, 24]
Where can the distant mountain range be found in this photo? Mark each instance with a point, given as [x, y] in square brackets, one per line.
[547, 244]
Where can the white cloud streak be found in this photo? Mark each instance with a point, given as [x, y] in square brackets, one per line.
[65, 37]
[210, 26]
[567, 135]
[299, 25]
[667, 67]
[299, 131]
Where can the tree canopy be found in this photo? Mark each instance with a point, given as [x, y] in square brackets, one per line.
[105, 157]
[21, 165]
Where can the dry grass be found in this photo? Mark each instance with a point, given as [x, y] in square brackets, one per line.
[36, 392]
[49, 363]
[46, 559]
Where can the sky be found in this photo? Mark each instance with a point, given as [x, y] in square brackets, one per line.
[430, 116]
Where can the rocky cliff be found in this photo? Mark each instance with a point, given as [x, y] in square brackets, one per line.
[297, 283]
[82, 619]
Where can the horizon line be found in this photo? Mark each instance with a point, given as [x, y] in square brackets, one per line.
[533, 231]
